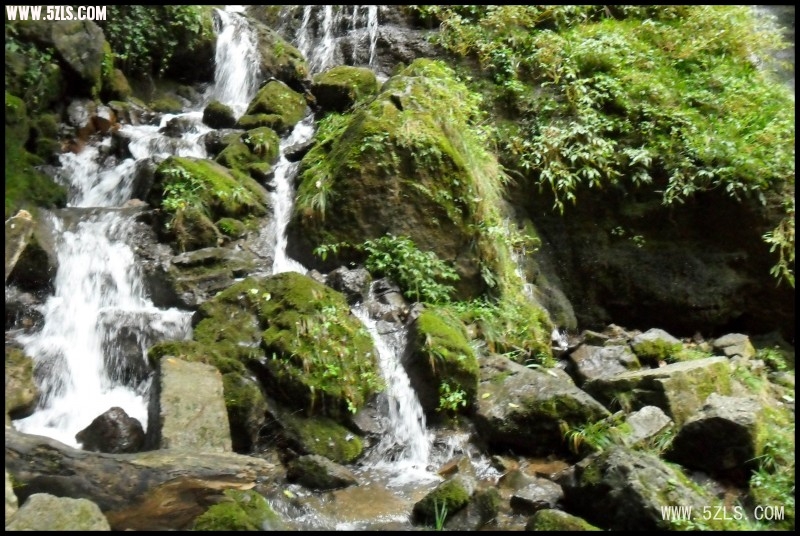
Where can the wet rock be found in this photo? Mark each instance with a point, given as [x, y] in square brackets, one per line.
[319, 473]
[734, 344]
[354, 284]
[114, 431]
[601, 361]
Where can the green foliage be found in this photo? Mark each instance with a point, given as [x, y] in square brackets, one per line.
[625, 96]
[597, 436]
[510, 326]
[451, 397]
[773, 482]
[440, 513]
[144, 39]
[420, 274]
[34, 81]
[774, 358]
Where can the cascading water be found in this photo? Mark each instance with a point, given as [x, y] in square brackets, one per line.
[322, 26]
[99, 299]
[406, 443]
[236, 61]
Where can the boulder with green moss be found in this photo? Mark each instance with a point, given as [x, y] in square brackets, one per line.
[310, 351]
[25, 186]
[259, 145]
[525, 410]
[679, 389]
[412, 155]
[450, 496]
[441, 363]
[276, 98]
[551, 520]
[319, 473]
[196, 192]
[21, 391]
[338, 88]
[280, 59]
[219, 115]
[656, 346]
[240, 510]
[320, 435]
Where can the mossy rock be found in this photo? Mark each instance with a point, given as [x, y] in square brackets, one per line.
[231, 227]
[281, 60]
[412, 158]
[340, 87]
[273, 121]
[440, 353]
[452, 494]
[21, 392]
[256, 146]
[550, 520]
[246, 407]
[207, 186]
[240, 510]
[279, 99]
[26, 187]
[655, 345]
[322, 436]
[312, 352]
[191, 229]
[320, 357]
[219, 115]
[167, 105]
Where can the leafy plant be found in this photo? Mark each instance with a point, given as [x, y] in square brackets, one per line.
[440, 513]
[626, 96]
[596, 436]
[451, 397]
[144, 39]
[420, 274]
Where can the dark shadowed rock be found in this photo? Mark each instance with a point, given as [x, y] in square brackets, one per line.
[114, 432]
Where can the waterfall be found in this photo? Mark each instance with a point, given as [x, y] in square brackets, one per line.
[323, 26]
[99, 300]
[406, 443]
[283, 198]
[237, 61]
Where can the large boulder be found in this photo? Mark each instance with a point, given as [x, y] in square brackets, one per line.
[679, 389]
[523, 409]
[338, 88]
[114, 431]
[412, 156]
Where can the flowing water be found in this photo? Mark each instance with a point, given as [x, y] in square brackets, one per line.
[99, 290]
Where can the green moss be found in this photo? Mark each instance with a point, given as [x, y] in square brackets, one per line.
[279, 99]
[342, 86]
[450, 494]
[231, 227]
[325, 437]
[218, 115]
[241, 510]
[557, 521]
[442, 346]
[653, 351]
[25, 186]
[251, 121]
[167, 105]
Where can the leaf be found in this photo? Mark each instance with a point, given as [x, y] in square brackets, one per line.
[486, 395]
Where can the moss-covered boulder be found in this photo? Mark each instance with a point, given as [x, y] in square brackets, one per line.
[45, 512]
[240, 510]
[525, 410]
[319, 473]
[441, 363]
[279, 99]
[679, 389]
[280, 59]
[311, 353]
[321, 436]
[196, 192]
[338, 88]
[21, 391]
[656, 346]
[255, 147]
[451, 495]
[25, 186]
[247, 408]
[320, 357]
[550, 520]
[413, 156]
[218, 115]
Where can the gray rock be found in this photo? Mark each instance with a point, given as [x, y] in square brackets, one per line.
[42, 511]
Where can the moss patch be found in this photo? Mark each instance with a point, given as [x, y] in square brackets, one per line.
[240, 510]
[323, 436]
